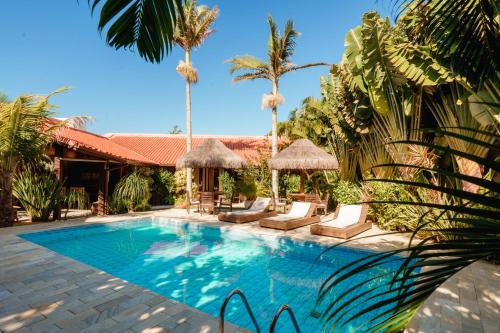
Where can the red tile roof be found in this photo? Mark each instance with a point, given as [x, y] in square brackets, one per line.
[164, 149]
[97, 144]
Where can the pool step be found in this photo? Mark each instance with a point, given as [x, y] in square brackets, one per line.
[283, 308]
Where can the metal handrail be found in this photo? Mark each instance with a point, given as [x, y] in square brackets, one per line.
[284, 307]
[245, 302]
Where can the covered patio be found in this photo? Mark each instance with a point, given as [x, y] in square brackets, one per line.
[91, 163]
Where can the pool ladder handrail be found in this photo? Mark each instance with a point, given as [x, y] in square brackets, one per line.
[247, 306]
[283, 308]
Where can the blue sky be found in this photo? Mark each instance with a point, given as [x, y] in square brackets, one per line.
[47, 44]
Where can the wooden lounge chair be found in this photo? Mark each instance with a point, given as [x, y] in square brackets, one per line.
[258, 210]
[347, 221]
[299, 215]
[193, 202]
[207, 202]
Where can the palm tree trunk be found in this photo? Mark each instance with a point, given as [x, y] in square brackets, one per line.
[274, 173]
[6, 210]
[189, 175]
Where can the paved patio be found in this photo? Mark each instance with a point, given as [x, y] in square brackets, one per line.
[42, 291]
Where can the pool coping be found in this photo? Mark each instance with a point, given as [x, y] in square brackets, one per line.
[18, 256]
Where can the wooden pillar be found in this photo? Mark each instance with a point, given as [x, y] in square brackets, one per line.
[58, 169]
[106, 187]
[102, 197]
[302, 180]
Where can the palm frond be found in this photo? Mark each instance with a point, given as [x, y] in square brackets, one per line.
[194, 24]
[404, 278]
[246, 62]
[293, 68]
[147, 25]
[465, 33]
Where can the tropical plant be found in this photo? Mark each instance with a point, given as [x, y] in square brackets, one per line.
[194, 26]
[39, 192]
[469, 221]
[289, 183]
[134, 190]
[346, 192]
[75, 200]
[24, 133]
[255, 180]
[227, 184]
[463, 35]
[280, 51]
[162, 187]
[147, 25]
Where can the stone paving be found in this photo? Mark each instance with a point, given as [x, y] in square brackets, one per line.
[42, 291]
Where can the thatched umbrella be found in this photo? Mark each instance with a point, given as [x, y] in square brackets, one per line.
[211, 154]
[303, 155]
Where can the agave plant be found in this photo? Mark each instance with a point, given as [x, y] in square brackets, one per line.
[39, 191]
[24, 133]
[469, 221]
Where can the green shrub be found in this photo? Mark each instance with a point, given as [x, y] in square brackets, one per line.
[117, 205]
[246, 187]
[39, 192]
[288, 183]
[132, 189]
[228, 184]
[162, 187]
[346, 192]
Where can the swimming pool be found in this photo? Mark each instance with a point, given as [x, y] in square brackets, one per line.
[199, 265]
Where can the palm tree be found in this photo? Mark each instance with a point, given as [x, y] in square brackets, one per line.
[24, 134]
[194, 26]
[148, 25]
[280, 51]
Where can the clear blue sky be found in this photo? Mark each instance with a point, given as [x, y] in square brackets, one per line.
[47, 44]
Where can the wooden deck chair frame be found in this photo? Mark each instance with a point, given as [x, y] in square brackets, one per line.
[292, 223]
[233, 218]
[362, 225]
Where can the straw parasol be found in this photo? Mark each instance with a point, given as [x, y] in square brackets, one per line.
[303, 155]
[211, 154]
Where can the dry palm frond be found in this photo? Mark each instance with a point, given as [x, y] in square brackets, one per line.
[187, 71]
[270, 101]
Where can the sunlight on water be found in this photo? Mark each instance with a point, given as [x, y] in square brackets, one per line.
[199, 266]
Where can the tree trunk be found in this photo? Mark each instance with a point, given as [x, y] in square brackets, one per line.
[6, 210]
[189, 172]
[274, 173]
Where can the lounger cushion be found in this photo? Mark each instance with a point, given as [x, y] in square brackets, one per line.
[260, 204]
[348, 215]
[299, 209]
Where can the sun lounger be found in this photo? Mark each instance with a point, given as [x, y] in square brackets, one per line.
[258, 210]
[346, 222]
[299, 215]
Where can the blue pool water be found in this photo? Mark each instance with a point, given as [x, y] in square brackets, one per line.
[199, 265]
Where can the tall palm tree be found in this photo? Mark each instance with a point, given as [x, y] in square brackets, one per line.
[147, 25]
[280, 51]
[24, 134]
[194, 26]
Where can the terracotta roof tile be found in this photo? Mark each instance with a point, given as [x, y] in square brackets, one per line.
[79, 139]
[164, 149]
